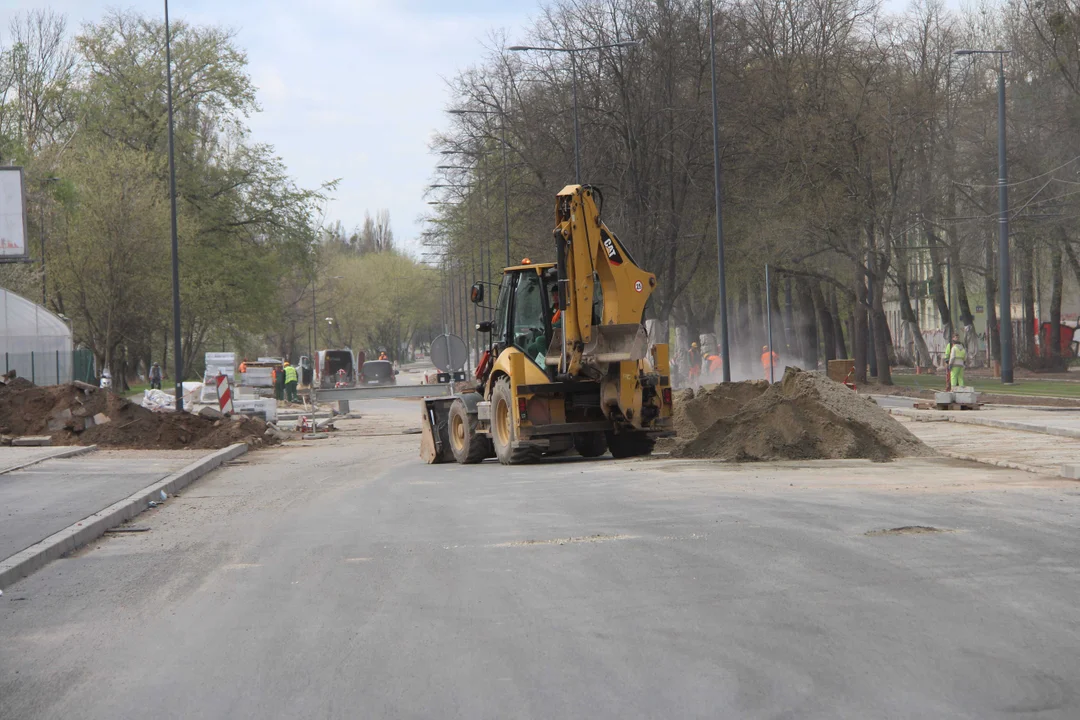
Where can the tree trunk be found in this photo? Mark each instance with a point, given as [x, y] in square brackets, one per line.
[790, 341]
[882, 337]
[861, 329]
[825, 322]
[838, 326]
[1057, 281]
[993, 332]
[1027, 292]
[808, 330]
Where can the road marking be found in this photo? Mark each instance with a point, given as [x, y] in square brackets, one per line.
[357, 559]
[564, 541]
[240, 566]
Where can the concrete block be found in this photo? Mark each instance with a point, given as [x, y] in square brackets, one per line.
[101, 419]
[944, 398]
[32, 441]
[211, 413]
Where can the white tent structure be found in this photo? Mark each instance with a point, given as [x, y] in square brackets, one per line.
[33, 342]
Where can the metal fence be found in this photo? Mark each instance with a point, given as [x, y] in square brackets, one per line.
[52, 368]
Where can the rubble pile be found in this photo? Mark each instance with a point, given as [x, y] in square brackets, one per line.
[81, 414]
[803, 417]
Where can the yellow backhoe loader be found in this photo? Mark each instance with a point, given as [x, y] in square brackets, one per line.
[569, 364]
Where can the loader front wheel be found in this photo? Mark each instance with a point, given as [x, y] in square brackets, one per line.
[630, 444]
[504, 429]
[468, 446]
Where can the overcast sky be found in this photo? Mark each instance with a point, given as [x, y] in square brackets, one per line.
[349, 89]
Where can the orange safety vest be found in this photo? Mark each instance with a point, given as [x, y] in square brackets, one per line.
[765, 359]
[556, 316]
[716, 363]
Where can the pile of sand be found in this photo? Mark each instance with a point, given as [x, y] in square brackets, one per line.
[81, 414]
[693, 412]
[805, 416]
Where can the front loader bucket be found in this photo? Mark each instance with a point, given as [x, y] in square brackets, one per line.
[435, 431]
[616, 343]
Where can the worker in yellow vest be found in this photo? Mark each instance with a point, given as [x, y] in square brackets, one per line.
[290, 382]
[956, 359]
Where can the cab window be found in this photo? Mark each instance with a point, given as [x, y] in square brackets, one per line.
[529, 309]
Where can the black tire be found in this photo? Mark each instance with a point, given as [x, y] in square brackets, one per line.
[590, 445]
[504, 429]
[630, 444]
[469, 447]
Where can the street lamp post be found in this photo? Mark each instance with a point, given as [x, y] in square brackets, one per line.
[1004, 278]
[505, 179]
[573, 78]
[179, 359]
[725, 355]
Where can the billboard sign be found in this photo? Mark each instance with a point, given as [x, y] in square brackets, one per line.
[12, 215]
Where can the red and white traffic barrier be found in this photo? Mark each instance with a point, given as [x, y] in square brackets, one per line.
[224, 393]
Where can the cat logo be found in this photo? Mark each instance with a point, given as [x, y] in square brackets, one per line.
[612, 252]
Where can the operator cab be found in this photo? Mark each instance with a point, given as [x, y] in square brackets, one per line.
[527, 313]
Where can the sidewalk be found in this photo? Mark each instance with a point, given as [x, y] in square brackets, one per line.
[45, 498]
[55, 505]
[1040, 441]
[1062, 422]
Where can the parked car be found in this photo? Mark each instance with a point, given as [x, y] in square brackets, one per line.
[378, 372]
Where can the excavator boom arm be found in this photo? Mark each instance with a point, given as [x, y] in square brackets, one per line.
[602, 290]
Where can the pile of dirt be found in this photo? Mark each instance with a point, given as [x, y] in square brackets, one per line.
[805, 416]
[694, 412]
[80, 414]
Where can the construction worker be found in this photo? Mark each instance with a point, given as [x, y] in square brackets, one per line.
[243, 366]
[290, 382]
[382, 355]
[155, 377]
[539, 345]
[945, 362]
[716, 365]
[956, 359]
[693, 359]
[278, 376]
[769, 361]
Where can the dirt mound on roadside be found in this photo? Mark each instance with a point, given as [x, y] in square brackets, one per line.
[694, 412]
[84, 415]
[805, 416]
[17, 383]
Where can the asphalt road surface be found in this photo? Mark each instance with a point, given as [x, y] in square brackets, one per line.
[345, 579]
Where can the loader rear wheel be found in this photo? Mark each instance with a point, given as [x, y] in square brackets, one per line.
[504, 429]
[468, 446]
[630, 444]
[590, 445]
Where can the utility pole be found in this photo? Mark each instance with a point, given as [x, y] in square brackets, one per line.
[179, 356]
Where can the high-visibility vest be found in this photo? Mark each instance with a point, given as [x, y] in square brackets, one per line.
[957, 356]
[290, 374]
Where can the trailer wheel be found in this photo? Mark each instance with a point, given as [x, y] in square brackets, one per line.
[590, 445]
[630, 444]
[468, 446]
[504, 429]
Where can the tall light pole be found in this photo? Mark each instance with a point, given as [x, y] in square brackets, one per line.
[1004, 277]
[179, 388]
[505, 178]
[725, 355]
[573, 51]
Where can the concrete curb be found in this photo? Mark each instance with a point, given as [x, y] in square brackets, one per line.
[59, 544]
[989, 422]
[70, 452]
[998, 463]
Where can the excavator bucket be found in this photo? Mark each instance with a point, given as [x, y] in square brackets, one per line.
[616, 343]
[435, 431]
